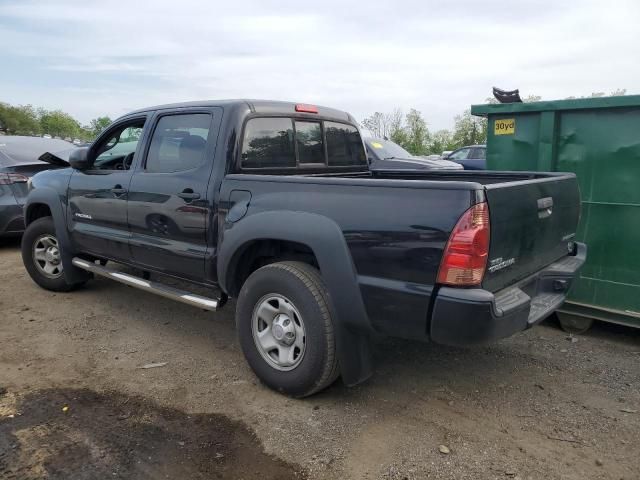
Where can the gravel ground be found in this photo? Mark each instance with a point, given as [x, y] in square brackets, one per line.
[539, 405]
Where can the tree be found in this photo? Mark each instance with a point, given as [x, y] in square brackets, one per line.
[469, 130]
[19, 120]
[60, 124]
[417, 133]
[397, 133]
[97, 125]
[440, 141]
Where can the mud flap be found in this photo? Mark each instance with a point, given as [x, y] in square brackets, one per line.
[355, 356]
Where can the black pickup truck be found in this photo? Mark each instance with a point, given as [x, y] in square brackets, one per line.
[273, 204]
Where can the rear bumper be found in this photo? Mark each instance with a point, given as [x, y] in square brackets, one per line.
[476, 316]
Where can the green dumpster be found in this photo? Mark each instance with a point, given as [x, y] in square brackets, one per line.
[599, 140]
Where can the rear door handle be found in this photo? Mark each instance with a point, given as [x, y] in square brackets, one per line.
[189, 194]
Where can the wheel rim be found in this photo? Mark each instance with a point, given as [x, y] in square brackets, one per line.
[46, 256]
[278, 332]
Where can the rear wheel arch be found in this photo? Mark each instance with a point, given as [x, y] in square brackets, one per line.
[259, 252]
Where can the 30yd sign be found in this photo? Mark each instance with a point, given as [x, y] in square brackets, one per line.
[505, 126]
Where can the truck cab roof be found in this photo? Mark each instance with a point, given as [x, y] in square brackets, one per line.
[267, 107]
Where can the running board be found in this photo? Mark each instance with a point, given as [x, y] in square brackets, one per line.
[154, 287]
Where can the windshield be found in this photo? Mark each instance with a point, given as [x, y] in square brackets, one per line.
[386, 149]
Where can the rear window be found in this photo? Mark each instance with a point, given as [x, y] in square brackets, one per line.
[283, 142]
[344, 145]
[268, 143]
[309, 141]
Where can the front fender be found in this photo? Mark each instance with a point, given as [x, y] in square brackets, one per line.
[324, 237]
[51, 198]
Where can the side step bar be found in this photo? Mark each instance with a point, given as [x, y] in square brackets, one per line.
[154, 287]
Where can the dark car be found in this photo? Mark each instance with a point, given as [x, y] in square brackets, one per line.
[472, 157]
[387, 155]
[274, 204]
[19, 161]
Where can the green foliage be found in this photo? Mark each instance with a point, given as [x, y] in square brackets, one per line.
[59, 124]
[26, 120]
[97, 125]
[469, 130]
[417, 142]
[20, 120]
[410, 131]
[441, 141]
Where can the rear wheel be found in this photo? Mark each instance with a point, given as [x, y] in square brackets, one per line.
[41, 256]
[286, 330]
[574, 323]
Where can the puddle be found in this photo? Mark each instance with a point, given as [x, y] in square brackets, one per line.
[114, 436]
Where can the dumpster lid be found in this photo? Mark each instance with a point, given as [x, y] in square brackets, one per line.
[551, 105]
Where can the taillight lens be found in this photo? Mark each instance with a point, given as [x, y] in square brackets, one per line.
[10, 178]
[465, 256]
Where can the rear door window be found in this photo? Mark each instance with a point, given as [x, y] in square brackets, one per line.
[309, 142]
[344, 145]
[268, 143]
[478, 154]
[178, 143]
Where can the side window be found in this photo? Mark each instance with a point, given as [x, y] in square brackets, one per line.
[461, 154]
[344, 145]
[268, 142]
[117, 150]
[479, 153]
[179, 143]
[309, 142]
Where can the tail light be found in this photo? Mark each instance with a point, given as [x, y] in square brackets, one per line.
[465, 256]
[11, 178]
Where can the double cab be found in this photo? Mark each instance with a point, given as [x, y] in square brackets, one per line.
[273, 204]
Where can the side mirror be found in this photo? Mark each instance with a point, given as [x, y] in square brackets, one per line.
[79, 158]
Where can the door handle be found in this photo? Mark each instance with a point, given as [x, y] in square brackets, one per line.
[118, 190]
[189, 194]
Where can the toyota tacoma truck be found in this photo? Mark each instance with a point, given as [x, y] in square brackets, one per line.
[273, 204]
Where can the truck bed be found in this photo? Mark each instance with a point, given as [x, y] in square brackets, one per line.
[397, 225]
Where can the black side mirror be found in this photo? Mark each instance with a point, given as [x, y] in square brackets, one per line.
[79, 158]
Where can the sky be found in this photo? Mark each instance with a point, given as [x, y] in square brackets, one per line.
[107, 57]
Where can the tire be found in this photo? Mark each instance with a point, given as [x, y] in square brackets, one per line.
[42, 234]
[294, 291]
[574, 324]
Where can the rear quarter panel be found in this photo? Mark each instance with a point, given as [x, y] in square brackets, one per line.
[395, 232]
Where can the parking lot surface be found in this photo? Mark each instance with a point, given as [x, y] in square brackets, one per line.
[75, 402]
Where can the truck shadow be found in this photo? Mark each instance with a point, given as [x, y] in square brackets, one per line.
[10, 243]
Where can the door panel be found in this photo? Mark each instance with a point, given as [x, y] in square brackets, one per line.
[169, 208]
[97, 205]
[97, 216]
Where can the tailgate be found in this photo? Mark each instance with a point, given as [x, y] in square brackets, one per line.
[532, 224]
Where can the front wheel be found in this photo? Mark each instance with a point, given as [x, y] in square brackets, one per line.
[42, 257]
[285, 328]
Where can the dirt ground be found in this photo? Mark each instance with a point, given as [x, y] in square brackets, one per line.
[75, 404]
